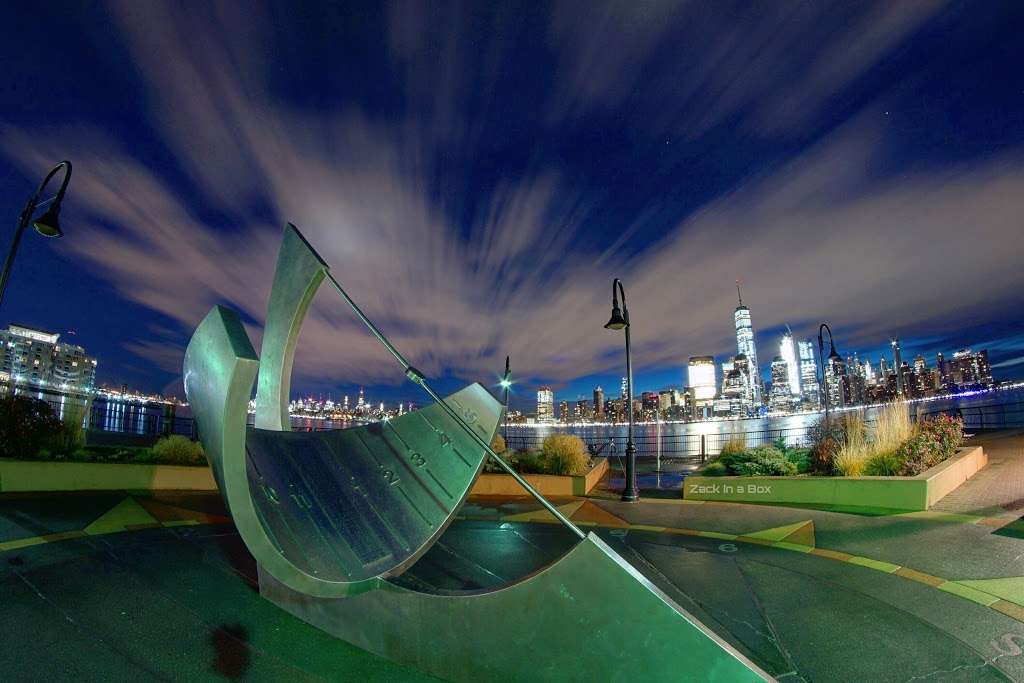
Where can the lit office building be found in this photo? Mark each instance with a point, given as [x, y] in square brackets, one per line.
[625, 388]
[835, 381]
[736, 386]
[30, 357]
[969, 369]
[563, 412]
[781, 398]
[598, 404]
[545, 405]
[701, 379]
[808, 374]
[788, 352]
[649, 405]
[745, 345]
[897, 363]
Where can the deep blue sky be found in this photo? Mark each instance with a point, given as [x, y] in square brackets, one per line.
[477, 174]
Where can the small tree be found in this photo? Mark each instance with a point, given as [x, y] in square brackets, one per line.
[498, 444]
[26, 425]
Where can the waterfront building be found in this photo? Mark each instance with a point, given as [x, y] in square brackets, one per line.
[835, 372]
[788, 352]
[584, 410]
[781, 397]
[38, 358]
[563, 412]
[809, 387]
[897, 363]
[970, 369]
[598, 404]
[545, 405]
[745, 345]
[701, 381]
[649, 405]
[625, 388]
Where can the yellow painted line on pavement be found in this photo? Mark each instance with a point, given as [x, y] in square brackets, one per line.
[887, 567]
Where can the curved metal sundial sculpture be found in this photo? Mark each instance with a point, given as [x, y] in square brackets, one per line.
[329, 516]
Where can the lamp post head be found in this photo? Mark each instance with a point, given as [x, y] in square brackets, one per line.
[617, 321]
[505, 383]
[48, 225]
[834, 355]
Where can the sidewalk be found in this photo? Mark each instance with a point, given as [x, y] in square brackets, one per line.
[999, 487]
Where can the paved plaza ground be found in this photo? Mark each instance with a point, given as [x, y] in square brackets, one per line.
[135, 585]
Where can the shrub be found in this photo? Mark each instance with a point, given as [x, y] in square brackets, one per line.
[823, 456]
[178, 450]
[565, 454]
[498, 444]
[826, 436]
[883, 464]
[529, 462]
[26, 425]
[714, 469]
[800, 457]
[764, 461]
[936, 440]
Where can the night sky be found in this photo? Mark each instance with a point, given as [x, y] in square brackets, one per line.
[477, 173]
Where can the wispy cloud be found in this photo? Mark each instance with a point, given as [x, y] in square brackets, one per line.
[821, 236]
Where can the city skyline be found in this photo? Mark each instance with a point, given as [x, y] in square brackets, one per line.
[477, 222]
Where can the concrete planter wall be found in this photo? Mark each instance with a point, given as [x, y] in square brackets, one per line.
[895, 493]
[21, 475]
[549, 485]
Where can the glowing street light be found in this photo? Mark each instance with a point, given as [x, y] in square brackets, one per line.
[620, 321]
[47, 225]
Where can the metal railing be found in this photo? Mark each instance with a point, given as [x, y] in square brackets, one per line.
[983, 416]
[682, 446]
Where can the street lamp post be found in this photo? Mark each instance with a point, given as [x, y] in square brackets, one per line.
[46, 225]
[619, 321]
[832, 356]
[506, 382]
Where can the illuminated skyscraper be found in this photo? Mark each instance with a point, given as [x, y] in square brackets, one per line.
[736, 386]
[701, 377]
[897, 362]
[625, 388]
[545, 405]
[745, 345]
[598, 403]
[788, 353]
[781, 396]
[809, 386]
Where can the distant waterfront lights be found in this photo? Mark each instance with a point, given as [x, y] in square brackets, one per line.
[620, 321]
[47, 225]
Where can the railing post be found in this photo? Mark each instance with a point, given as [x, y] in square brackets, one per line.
[703, 448]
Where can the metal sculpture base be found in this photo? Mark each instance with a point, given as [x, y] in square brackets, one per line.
[590, 616]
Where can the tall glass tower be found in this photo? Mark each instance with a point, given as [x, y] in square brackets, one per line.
[745, 345]
[788, 352]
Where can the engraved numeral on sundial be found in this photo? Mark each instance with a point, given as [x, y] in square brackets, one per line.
[417, 459]
[271, 494]
[390, 477]
[301, 500]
